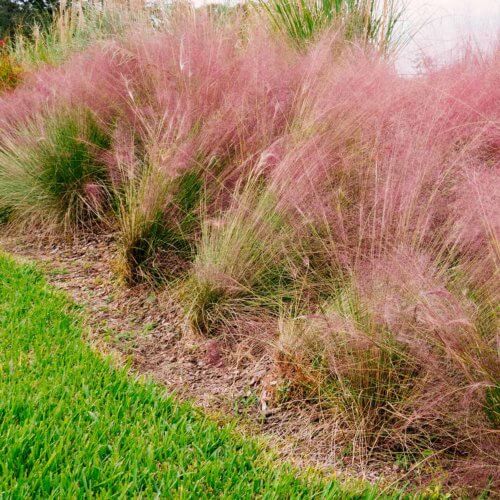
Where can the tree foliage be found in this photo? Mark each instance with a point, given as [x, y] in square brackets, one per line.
[20, 12]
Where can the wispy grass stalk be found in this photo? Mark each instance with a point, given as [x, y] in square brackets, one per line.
[369, 21]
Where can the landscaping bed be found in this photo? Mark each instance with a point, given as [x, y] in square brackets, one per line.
[74, 424]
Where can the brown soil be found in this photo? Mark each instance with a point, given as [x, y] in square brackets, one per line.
[232, 379]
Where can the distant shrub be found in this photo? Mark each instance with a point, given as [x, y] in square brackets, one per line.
[13, 14]
[10, 72]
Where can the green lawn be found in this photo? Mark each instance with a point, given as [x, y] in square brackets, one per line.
[72, 425]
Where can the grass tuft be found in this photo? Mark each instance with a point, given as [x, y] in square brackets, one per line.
[369, 21]
[51, 170]
[158, 219]
[242, 260]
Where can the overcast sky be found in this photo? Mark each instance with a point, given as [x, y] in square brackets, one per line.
[445, 24]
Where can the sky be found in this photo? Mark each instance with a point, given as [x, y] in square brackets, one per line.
[442, 26]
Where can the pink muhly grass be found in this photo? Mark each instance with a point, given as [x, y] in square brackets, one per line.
[95, 79]
[402, 175]
[371, 218]
[204, 100]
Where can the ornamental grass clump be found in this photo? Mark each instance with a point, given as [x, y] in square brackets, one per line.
[198, 124]
[401, 341]
[158, 219]
[243, 261]
[51, 170]
[367, 21]
[399, 361]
